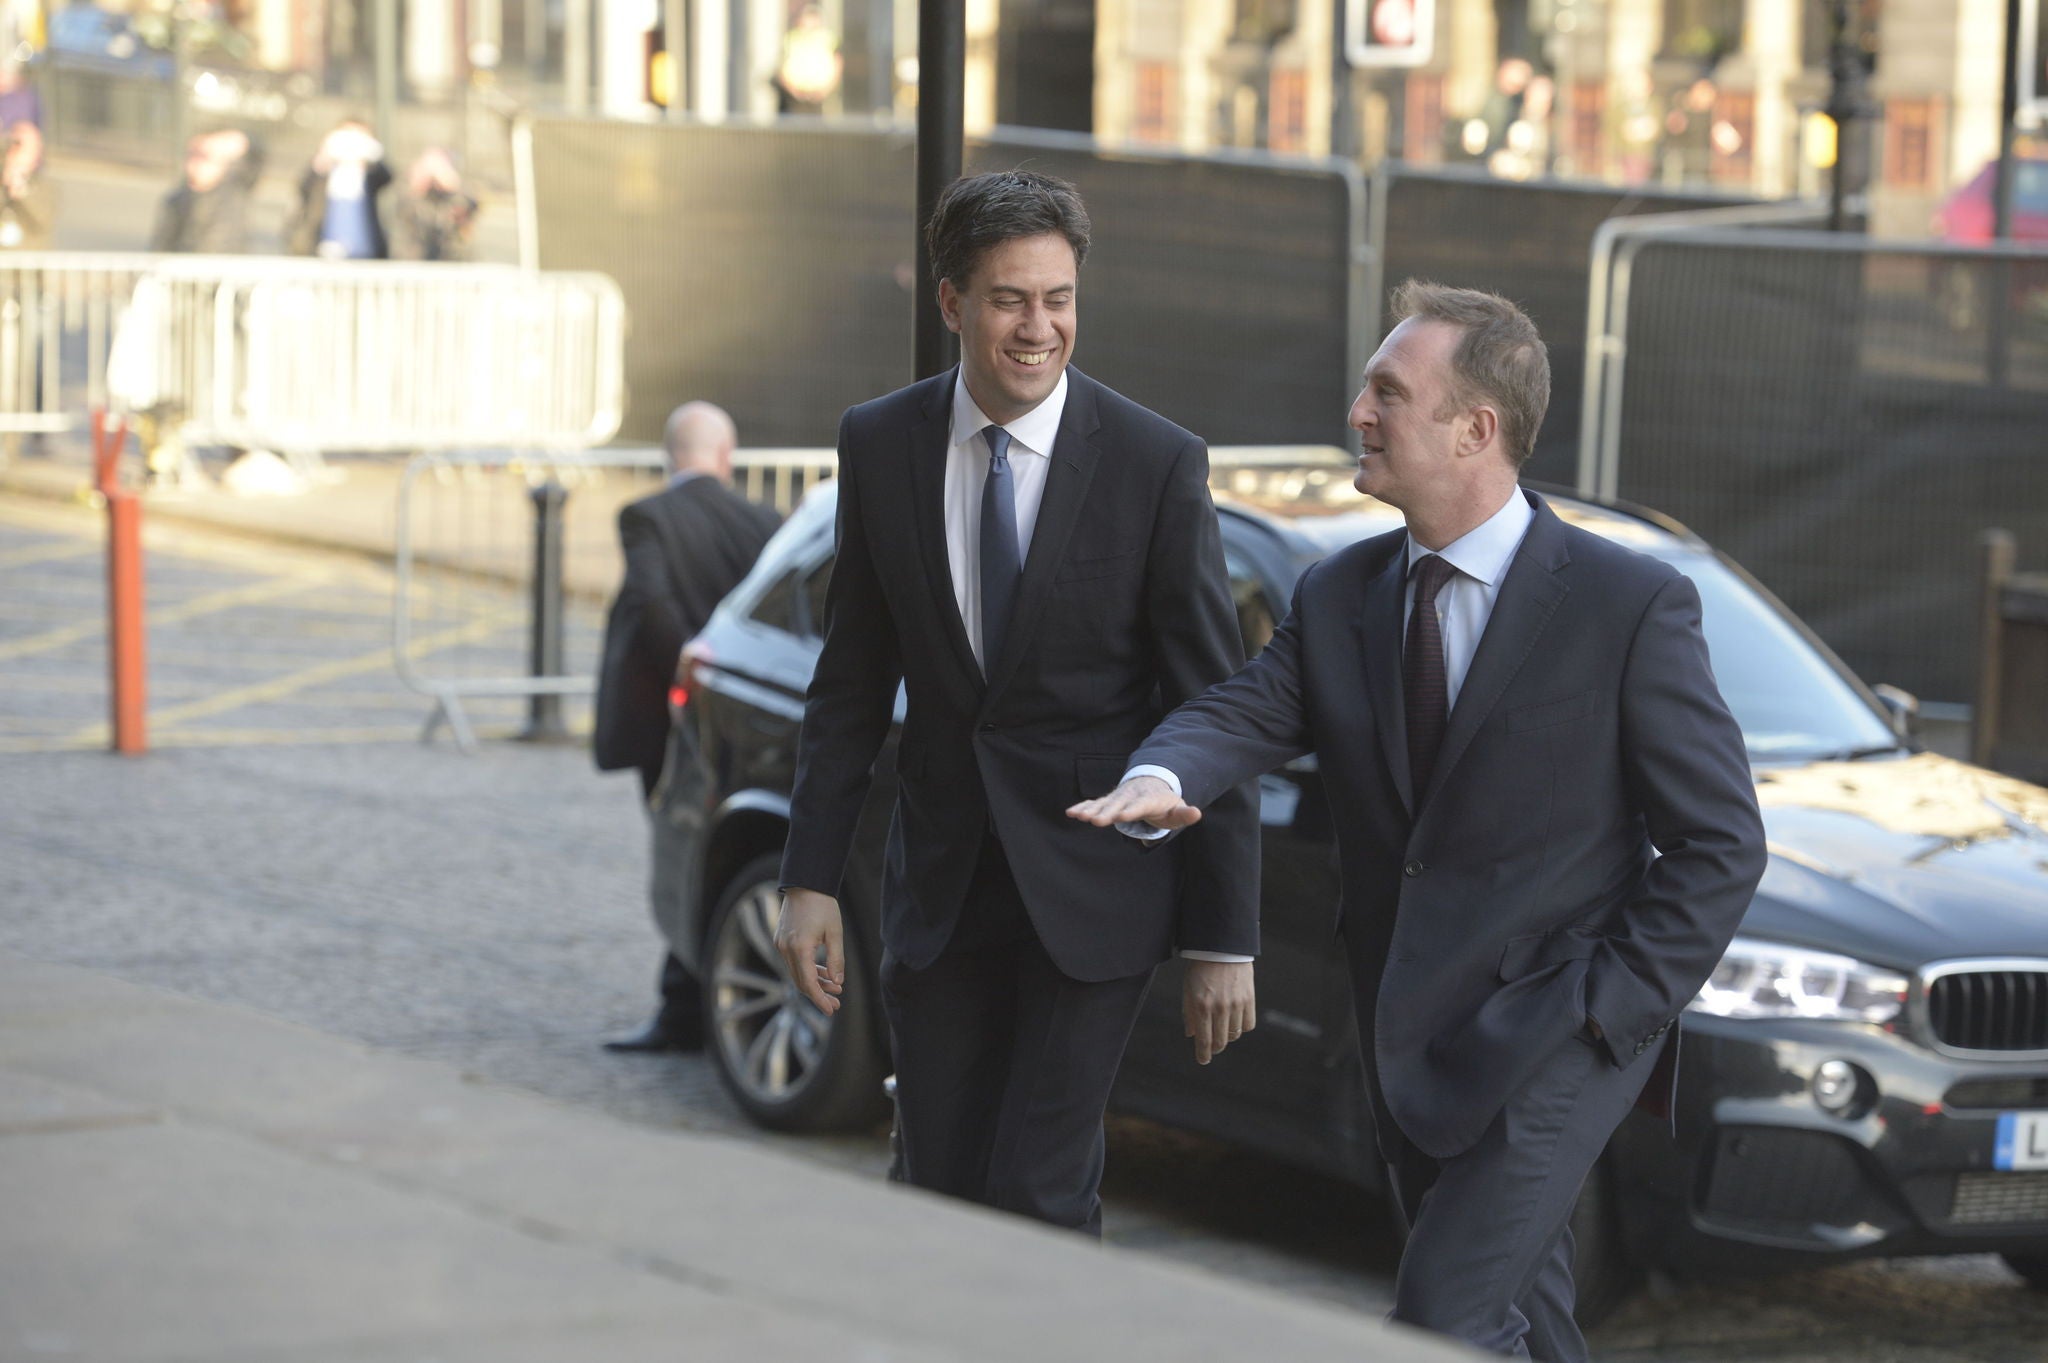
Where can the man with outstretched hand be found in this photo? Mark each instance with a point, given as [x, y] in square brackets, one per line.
[1544, 814]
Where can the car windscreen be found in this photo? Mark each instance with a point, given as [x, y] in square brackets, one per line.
[1789, 700]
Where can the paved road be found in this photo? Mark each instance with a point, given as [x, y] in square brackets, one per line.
[290, 847]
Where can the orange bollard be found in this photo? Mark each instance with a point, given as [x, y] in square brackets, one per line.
[124, 623]
[127, 675]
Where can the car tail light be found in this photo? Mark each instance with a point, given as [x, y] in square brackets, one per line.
[689, 676]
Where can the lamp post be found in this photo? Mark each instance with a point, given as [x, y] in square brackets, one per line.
[1850, 108]
[941, 110]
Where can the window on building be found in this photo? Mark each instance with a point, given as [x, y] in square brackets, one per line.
[1264, 22]
[1909, 142]
[1422, 138]
[1816, 32]
[1152, 119]
[1704, 30]
[1731, 137]
[1287, 111]
[1588, 127]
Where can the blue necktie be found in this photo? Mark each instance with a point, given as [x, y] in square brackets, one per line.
[999, 566]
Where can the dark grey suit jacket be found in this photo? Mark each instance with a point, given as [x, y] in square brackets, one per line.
[1525, 893]
[685, 548]
[1124, 611]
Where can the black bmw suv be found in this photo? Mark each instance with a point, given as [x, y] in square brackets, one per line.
[1866, 1072]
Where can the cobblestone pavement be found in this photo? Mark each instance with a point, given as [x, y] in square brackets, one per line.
[291, 847]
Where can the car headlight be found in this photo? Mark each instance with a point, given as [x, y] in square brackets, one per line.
[1758, 979]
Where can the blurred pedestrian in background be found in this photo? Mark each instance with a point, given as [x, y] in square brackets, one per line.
[207, 212]
[19, 102]
[27, 207]
[436, 217]
[809, 71]
[338, 217]
[686, 547]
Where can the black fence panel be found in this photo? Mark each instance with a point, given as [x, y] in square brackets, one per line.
[1531, 243]
[769, 269]
[1845, 419]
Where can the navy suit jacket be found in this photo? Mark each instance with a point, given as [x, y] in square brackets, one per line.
[1590, 839]
[1124, 611]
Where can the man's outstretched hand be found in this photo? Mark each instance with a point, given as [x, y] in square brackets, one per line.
[810, 921]
[1142, 799]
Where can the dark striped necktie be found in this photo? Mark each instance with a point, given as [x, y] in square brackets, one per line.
[1000, 567]
[1424, 686]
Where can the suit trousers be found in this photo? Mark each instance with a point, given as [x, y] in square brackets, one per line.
[682, 995]
[1004, 1064]
[1489, 1252]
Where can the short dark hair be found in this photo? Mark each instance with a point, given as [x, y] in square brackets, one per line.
[981, 211]
[1499, 359]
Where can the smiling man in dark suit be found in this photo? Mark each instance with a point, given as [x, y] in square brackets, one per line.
[1036, 560]
[1544, 811]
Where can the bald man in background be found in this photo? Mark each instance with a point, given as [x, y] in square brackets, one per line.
[685, 547]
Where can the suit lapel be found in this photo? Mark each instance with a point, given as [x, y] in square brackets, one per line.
[1380, 629]
[1529, 596]
[930, 440]
[1066, 487]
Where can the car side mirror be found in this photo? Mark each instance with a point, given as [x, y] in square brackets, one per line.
[1902, 707]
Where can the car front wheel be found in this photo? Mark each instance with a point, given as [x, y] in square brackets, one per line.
[787, 1064]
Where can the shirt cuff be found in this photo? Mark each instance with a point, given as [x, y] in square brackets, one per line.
[1222, 957]
[1139, 829]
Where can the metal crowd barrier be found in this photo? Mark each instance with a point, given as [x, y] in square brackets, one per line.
[2009, 721]
[58, 315]
[1841, 415]
[306, 356]
[530, 543]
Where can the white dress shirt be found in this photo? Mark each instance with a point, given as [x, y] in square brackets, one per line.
[1031, 441]
[1465, 603]
[1463, 606]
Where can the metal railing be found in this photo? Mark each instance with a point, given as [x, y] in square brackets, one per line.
[500, 562]
[1615, 247]
[306, 356]
[495, 548]
[58, 315]
[1843, 416]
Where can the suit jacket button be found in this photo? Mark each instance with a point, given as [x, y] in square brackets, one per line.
[1413, 868]
[988, 728]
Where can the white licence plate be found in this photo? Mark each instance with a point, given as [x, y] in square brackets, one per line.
[2022, 1141]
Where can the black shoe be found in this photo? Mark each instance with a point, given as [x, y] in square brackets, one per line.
[658, 1038]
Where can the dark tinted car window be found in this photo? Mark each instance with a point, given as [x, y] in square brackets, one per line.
[1255, 618]
[1790, 703]
[777, 607]
[814, 598]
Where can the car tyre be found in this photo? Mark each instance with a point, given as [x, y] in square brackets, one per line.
[788, 1065]
[2032, 1267]
[1602, 1271]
